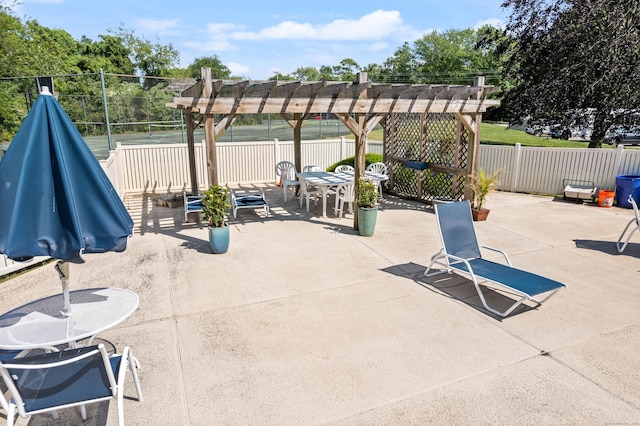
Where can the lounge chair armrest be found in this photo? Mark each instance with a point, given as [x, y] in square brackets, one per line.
[502, 252]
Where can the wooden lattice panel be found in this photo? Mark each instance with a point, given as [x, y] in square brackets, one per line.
[435, 139]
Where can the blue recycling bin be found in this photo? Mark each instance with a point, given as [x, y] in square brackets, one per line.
[625, 185]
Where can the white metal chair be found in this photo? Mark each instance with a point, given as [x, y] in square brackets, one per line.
[345, 193]
[70, 378]
[344, 168]
[287, 172]
[635, 220]
[378, 168]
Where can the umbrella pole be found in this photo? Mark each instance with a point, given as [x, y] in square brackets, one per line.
[63, 271]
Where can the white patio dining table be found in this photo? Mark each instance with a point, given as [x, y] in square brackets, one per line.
[327, 180]
[43, 324]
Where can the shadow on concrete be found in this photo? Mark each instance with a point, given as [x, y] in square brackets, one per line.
[460, 288]
[609, 247]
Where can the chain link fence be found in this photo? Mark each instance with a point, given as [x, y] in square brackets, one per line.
[109, 109]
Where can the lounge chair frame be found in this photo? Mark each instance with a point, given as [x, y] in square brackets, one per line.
[248, 200]
[192, 204]
[461, 253]
[635, 220]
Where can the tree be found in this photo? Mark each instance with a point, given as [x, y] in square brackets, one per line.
[307, 74]
[149, 59]
[453, 56]
[572, 56]
[218, 69]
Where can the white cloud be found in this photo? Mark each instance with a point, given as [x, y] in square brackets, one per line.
[166, 27]
[373, 26]
[211, 45]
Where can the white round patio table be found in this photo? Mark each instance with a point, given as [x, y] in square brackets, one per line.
[44, 324]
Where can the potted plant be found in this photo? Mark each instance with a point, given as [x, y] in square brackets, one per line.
[215, 203]
[482, 185]
[367, 208]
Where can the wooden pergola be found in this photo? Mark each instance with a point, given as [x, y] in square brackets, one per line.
[360, 105]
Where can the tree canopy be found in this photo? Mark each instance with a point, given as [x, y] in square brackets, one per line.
[567, 57]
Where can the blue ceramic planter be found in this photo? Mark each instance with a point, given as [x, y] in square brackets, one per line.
[219, 239]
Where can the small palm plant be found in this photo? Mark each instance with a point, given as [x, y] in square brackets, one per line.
[482, 185]
[215, 203]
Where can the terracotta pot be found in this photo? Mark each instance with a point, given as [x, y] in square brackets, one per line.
[480, 214]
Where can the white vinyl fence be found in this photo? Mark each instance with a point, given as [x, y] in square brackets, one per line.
[165, 168]
[542, 170]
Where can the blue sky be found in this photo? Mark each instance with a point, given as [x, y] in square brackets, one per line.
[255, 39]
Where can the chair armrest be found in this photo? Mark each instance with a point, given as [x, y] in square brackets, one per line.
[502, 252]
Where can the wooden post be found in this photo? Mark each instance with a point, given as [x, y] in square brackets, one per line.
[359, 160]
[297, 141]
[210, 139]
[191, 152]
[209, 129]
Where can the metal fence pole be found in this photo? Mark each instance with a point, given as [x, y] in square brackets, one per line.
[106, 109]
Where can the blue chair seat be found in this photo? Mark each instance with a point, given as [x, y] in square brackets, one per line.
[248, 200]
[74, 377]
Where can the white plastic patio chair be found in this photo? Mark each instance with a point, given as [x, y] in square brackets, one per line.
[377, 168]
[287, 172]
[344, 168]
[310, 190]
[70, 378]
[635, 220]
[344, 194]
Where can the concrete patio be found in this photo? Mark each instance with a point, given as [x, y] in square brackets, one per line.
[303, 322]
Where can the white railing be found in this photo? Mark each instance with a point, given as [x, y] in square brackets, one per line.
[165, 168]
[542, 170]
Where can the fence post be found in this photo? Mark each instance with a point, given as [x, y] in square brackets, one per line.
[517, 158]
[343, 148]
[618, 162]
[276, 155]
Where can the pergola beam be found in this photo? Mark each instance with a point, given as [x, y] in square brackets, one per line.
[330, 105]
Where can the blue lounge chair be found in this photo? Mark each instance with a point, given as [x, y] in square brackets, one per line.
[248, 200]
[69, 378]
[461, 253]
[192, 204]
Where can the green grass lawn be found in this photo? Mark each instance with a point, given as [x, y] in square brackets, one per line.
[493, 134]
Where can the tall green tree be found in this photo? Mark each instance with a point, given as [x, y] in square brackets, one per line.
[452, 56]
[572, 56]
[149, 59]
[218, 69]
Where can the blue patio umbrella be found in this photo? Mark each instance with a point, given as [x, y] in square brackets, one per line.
[55, 199]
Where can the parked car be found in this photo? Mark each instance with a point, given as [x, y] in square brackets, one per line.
[537, 129]
[558, 131]
[621, 135]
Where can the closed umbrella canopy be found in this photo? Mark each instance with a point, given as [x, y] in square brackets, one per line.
[55, 199]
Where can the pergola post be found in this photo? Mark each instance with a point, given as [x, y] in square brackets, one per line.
[191, 152]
